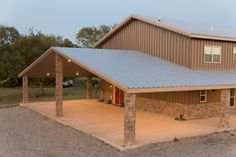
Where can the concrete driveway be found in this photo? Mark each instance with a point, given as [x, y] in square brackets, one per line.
[106, 122]
[28, 133]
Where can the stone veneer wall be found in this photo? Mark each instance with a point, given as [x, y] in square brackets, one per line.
[106, 91]
[176, 103]
[173, 109]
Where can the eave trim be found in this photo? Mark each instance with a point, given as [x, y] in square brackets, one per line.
[175, 89]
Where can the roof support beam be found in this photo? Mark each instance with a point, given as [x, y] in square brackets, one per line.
[59, 87]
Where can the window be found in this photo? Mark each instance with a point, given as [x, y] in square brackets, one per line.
[212, 54]
[203, 96]
[234, 53]
[232, 100]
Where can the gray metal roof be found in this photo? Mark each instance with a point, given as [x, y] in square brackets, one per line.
[198, 28]
[134, 69]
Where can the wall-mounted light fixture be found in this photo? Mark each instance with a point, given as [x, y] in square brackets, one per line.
[69, 60]
[110, 85]
[77, 73]
[48, 74]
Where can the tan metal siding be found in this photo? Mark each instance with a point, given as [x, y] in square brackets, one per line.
[151, 40]
[197, 54]
[186, 97]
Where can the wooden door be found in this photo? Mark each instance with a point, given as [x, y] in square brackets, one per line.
[119, 96]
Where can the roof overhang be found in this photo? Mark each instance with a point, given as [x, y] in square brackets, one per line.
[91, 71]
[156, 23]
[126, 70]
[44, 67]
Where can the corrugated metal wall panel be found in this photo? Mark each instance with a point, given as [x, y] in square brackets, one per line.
[170, 46]
[152, 40]
[187, 97]
[227, 61]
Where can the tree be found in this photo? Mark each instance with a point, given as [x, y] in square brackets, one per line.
[19, 51]
[88, 36]
[8, 35]
[68, 43]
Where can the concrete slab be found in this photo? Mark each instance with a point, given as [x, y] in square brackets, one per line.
[106, 122]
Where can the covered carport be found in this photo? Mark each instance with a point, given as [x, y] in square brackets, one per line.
[132, 72]
[53, 63]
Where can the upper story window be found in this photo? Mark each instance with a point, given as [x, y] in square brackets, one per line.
[212, 54]
[234, 53]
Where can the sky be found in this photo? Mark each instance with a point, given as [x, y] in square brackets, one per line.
[67, 17]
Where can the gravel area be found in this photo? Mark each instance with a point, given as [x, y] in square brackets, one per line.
[27, 133]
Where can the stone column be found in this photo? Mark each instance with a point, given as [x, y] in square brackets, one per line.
[89, 88]
[225, 110]
[59, 88]
[129, 119]
[25, 89]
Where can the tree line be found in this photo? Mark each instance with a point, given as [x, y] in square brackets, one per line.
[17, 51]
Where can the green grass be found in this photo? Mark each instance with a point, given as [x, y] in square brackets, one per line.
[10, 97]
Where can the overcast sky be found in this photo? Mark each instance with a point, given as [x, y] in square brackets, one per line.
[66, 17]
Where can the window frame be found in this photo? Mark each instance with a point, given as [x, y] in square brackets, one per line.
[212, 53]
[203, 95]
[234, 53]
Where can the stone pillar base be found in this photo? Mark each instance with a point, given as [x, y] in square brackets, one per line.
[226, 110]
[129, 119]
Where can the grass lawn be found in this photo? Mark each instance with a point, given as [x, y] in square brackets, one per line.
[10, 97]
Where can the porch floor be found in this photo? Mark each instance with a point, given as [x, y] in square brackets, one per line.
[106, 122]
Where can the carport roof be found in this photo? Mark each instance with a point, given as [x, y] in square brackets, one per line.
[136, 72]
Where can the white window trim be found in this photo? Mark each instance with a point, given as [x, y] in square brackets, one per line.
[234, 52]
[212, 46]
[205, 95]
